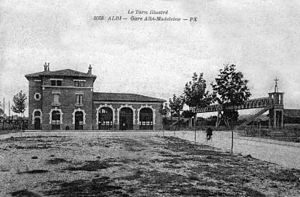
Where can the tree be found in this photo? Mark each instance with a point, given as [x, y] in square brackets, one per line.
[164, 109]
[19, 103]
[1, 110]
[176, 105]
[195, 93]
[230, 89]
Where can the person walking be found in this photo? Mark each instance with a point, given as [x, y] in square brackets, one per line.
[209, 133]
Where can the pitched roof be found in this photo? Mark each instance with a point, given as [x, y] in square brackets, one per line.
[60, 73]
[292, 112]
[103, 96]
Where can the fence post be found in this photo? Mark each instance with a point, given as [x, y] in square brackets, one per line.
[195, 127]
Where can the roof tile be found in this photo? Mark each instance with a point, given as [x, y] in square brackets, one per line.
[65, 72]
[102, 96]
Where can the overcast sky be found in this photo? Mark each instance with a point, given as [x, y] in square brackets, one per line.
[153, 58]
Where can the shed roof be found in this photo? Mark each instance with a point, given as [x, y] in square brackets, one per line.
[103, 96]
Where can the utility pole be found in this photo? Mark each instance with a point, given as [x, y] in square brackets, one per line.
[8, 108]
[195, 120]
[3, 105]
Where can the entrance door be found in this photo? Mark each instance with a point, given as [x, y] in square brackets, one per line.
[79, 120]
[126, 119]
[37, 123]
[278, 120]
[56, 120]
[105, 118]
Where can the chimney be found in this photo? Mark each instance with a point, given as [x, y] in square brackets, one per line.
[46, 66]
[90, 70]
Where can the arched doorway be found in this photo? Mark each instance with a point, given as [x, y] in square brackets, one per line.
[79, 120]
[55, 120]
[105, 118]
[37, 123]
[37, 120]
[126, 119]
[146, 119]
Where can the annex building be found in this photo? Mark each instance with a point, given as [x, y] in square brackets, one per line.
[65, 100]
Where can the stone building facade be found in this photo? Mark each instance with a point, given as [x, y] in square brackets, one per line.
[65, 100]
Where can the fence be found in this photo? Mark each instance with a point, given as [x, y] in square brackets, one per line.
[291, 134]
[13, 124]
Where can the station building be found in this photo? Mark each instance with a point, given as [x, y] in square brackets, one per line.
[65, 100]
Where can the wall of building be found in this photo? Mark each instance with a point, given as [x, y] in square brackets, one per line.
[34, 87]
[116, 106]
[67, 99]
[67, 104]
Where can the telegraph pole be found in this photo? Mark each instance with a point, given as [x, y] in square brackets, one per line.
[3, 105]
[8, 108]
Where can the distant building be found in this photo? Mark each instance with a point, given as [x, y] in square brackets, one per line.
[292, 116]
[65, 99]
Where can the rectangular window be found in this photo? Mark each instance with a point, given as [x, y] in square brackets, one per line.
[56, 82]
[79, 83]
[79, 99]
[56, 99]
[76, 83]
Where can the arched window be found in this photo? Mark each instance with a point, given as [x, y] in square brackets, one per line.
[55, 122]
[105, 118]
[37, 113]
[146, 119]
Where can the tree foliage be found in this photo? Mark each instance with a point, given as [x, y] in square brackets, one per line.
[230, 89]
[164, 109]
[187, 114]
[176, 104]
[195, 93]
[1, 109]
[19, 103]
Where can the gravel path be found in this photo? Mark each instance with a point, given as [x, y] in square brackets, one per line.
[283, 153]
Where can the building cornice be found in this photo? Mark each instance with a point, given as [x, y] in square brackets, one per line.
[68, 87]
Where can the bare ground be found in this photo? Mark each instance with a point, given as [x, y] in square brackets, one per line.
[134, 166]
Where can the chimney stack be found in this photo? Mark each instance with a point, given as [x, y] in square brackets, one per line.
[90, 70]
[46, 66]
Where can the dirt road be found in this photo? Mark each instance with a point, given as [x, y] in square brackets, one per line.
[283, 153]
[133, 164]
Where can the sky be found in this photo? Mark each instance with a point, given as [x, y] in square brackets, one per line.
[261, 37]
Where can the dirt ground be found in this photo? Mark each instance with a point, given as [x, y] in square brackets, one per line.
[57, 165]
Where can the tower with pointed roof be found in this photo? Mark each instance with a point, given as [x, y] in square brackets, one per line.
[277, 112]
